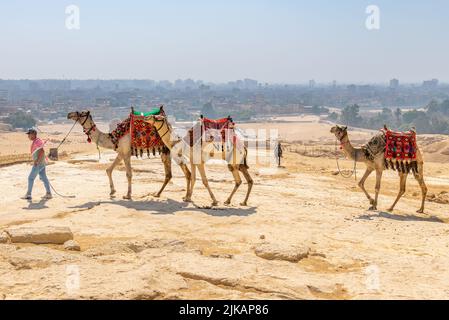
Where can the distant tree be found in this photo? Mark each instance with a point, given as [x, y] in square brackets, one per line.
[433, 107]
[398, 116]
[333, 116]
[208, 111]
[411, 116]
[21, 120]
[350, 115]
[444, 107]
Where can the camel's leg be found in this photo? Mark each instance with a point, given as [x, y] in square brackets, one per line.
[206, 183]
[420, 177]
[377, 189]
[362, 184]
[129, 175]
[166, 160]
[109, 173]
[238, 181]
[249, 180]
[192, 180]
[188, 176]
[402, 184]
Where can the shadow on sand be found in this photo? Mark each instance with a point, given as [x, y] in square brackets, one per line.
[170, 206]
[399, 217]
[36, 205]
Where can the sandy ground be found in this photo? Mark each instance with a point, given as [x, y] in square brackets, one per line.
[163, 248]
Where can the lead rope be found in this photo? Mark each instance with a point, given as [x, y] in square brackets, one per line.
[354, 171]
[62, 141]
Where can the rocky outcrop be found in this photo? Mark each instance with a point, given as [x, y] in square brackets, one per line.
[37, 257]
[4, 238]
[272, 251]
[40, 235]
[72, 245]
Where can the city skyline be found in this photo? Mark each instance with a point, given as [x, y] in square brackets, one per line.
[283, 42]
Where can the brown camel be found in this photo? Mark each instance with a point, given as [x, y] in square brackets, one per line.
[200, 153]
[124, 153]
[378, 165]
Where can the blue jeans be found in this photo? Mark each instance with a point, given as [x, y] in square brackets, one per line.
[38, 170]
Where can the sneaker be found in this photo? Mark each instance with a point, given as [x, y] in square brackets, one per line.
[48, 196]
[26, 197]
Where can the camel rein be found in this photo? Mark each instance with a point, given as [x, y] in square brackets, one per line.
[163, 122]
[354, 170]
[60, 144]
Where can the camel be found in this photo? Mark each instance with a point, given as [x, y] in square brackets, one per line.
[200, 153]
[378, 165]
[123, 153]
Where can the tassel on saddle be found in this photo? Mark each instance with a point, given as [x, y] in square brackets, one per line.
[401, 166]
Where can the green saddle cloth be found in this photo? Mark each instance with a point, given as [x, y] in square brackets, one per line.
[153, 112]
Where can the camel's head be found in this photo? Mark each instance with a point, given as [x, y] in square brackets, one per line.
[339, 131]
[82, 117]
[154, 118]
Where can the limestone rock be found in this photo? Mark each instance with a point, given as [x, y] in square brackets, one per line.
[40, 235]
[37, 257]
[4, 237]
[72, 245]
[271, 251]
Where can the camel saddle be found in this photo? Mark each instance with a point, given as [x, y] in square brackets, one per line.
[144, 136]
[399, 149]
[217, 130]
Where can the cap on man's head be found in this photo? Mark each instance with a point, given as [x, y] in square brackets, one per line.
[31, 131]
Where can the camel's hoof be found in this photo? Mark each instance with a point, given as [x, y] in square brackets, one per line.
[112, 193]
[372, 208]
[420, 211]
[214, 204]
[156, 195]
[390, 209]
[185, 199]
[371, 201]
[127, 197]
[243, 204]
[227, 203]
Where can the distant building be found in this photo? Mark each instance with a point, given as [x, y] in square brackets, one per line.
[394, 83]
[312, 84]
[430, 84]
[334, 84]
[3, 97]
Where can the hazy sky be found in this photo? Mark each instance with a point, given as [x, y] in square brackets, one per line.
[273, 41]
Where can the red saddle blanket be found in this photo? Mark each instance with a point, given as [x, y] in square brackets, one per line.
[144, 136]
[400, 145]
[208, 128]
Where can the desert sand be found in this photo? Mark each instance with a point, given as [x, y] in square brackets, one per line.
[306, 234]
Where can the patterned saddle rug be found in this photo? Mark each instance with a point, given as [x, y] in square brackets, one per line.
[400, 151]
[144, 136]
[212, 130]
[398, 148]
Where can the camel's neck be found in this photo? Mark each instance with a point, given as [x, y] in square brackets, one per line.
[99, 138]
[165, 132]
[351, 152]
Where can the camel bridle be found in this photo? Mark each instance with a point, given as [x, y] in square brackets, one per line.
[163, 120]
[354, 170]
[87, 117]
